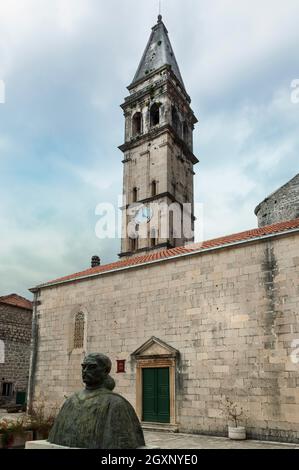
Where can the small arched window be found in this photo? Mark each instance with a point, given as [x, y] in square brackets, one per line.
[137, 124]
[135, 194]
[155, 115]
[154, 188]
[79, 331]
[2, 352]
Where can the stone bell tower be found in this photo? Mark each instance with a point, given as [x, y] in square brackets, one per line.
[158, 204]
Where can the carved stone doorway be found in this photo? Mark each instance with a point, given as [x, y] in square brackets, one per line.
[156, 364]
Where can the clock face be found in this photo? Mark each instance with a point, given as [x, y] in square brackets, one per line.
[144, 215]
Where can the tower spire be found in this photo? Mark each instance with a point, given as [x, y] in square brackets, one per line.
[158, 53]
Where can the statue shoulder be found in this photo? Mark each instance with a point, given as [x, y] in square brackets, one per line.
[119, 400]
[73, 398]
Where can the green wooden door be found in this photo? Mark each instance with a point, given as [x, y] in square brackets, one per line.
[156, 395]
[21, 398]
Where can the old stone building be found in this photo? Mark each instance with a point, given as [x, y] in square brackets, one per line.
[185, 325]
[15, 337]
[283, 204]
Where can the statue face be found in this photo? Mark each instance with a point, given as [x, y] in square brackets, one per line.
[93, 373]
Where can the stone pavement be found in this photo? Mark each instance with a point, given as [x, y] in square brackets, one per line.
[10, 416]
[167, 440]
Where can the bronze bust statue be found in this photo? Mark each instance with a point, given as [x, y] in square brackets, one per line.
[97, 418]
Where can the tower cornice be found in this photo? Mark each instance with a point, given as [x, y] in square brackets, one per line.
[151, 75]
[156, 132]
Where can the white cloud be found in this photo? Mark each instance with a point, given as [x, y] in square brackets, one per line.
[58, 152]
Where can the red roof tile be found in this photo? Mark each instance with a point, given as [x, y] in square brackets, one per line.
[165, 254]
[16, 301]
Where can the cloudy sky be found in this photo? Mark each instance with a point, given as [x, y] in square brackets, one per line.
[66, 65]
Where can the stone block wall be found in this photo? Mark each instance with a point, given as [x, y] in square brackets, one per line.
[15, 332]
[280, 206]
[232, 313]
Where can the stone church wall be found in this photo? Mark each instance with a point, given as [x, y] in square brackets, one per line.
[233, 314]
[280, 206]
[15, 332]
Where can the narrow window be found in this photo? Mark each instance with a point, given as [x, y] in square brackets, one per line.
[135, 194]
[7, 389]
[154, 188]
[155, 115]
[137, 124]
[2, 352]
[173, 186]
[186, 133]
[134, 244]
[176, 124]
[153, 237]
[79, 331]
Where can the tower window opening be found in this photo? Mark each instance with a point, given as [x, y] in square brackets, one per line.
[176, 120]
[153, 240]
[155, 115]
[154, 188]
[137, 124]
[186, 133]
[135, 194]
[173, 186]
[133, 244]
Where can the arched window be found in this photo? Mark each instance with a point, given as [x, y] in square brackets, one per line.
[79, 331]
[155, 115]
[154, 188]
[137, 124]
[135, 194]
[2, 352]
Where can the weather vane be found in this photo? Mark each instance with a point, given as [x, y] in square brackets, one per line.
[160, 7]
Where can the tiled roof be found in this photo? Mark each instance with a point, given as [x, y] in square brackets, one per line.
[189, 249]
[16, 301]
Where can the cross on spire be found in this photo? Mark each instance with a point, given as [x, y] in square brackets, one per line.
[160, 10]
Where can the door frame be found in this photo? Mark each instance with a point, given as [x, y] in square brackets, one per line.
[155, 353]
[156, 363]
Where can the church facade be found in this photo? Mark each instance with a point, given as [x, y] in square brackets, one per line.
[186, 325]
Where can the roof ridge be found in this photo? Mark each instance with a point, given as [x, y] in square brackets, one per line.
[16, 300]
[225, 240]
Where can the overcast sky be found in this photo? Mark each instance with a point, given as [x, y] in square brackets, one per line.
[66, 65]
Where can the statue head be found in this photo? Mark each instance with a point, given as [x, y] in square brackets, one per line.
[95, 370]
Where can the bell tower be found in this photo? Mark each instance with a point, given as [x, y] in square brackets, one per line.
[158, 201]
